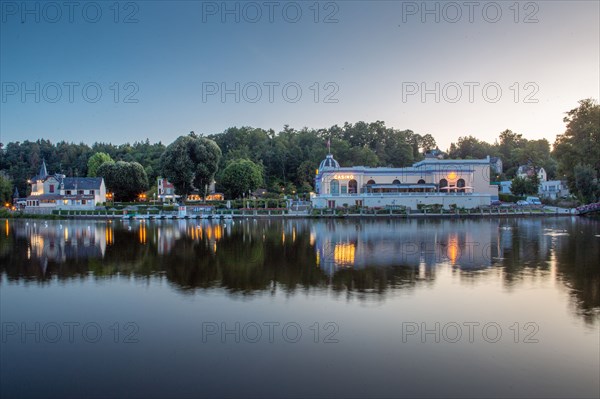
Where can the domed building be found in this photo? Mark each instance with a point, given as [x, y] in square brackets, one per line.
[461, 182]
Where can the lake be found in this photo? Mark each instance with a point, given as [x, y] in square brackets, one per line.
[499, 307]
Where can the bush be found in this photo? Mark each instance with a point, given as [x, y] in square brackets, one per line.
[509, 198]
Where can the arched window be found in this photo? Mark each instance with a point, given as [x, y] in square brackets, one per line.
[443, 183]
[370, 182]
[334, 187]
[461, 185]
[396, 181]
[421, 181]
[352, 187]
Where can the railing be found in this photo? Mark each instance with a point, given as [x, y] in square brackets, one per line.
[434, 194]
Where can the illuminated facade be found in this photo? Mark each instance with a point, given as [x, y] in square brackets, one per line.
[49, 192]
[461, 182]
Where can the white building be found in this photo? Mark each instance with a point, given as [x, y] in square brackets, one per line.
[464, 183]
[505, 187]
[166, 190]
[553, 189]
[525, 171]
[50, 192]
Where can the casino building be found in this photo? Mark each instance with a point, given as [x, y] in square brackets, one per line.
[461, 182]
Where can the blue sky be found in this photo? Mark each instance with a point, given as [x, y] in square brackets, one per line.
[370, 61]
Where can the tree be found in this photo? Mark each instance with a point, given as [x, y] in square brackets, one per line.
[524, 185]
[191, 162]
[95, 161]
[586, 183]
[6, 189]
[241, 176]
[581, 141]
[470, 147]
[125, 179]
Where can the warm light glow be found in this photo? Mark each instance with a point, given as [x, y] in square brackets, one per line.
[7, 228]
[452, 176]
[142, 233]
[215, 197]
[453, 249]
[344, 254]
[108, 234]
[343, 177]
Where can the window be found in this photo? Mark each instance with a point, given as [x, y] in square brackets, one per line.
[68, 192]
[80, 192]
[461, 185]
[443, 184]
[344, 189]
[334, 187]
[352, 187]
[370, 182]
[396, 181]
[421, 181]
[51, 188]
[92, 192]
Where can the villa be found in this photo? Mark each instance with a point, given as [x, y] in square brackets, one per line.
[52, 192]
[455, 182]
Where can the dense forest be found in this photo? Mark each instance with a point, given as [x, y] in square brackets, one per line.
[286, 160]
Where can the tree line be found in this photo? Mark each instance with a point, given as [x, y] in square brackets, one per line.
[242, 159]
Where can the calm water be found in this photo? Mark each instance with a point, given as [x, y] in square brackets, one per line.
[289, 308]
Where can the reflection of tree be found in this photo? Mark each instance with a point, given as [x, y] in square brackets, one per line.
[252, 257]
[375, 279]
[577, 265]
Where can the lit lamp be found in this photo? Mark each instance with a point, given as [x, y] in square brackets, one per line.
[452, 176]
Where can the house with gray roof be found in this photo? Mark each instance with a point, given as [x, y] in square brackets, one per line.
[52, 192]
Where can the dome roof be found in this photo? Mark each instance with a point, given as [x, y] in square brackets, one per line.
[329, 163]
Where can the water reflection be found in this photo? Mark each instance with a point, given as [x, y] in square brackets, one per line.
[356, 257]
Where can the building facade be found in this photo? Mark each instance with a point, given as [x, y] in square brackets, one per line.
[166, 190]
[525, 171]
[553, 189]
[463, 183]
[50, 192]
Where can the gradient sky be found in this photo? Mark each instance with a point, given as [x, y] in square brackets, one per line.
[373, 51]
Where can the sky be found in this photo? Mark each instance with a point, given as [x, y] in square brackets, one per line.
[129, 71]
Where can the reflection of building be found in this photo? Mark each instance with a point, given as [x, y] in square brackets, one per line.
[59, 243]
[49, 192]
[465, 183]
[468, 245]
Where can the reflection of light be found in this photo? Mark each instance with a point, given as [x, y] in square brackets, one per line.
[312, 239]
[283, 238]
[142, 233]
[66, 234]
[214, 232]
[343, 254]
[6, 227]
[108, 233]
[318, 258]
[37, 244]
[294, 234]
[453, 249]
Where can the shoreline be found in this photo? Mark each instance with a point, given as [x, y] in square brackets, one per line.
[233, 216]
